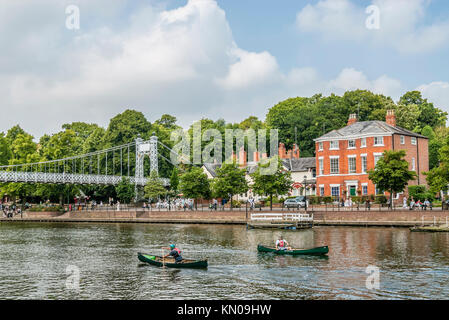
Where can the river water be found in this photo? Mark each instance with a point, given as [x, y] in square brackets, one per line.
[42, 261]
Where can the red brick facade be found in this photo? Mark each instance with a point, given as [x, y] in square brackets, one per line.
[357, 183]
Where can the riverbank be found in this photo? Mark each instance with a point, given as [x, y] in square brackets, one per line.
[404, 218]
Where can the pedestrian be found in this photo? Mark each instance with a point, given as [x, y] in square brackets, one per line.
[404, 203]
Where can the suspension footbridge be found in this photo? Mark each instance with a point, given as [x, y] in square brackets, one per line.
[105, 167]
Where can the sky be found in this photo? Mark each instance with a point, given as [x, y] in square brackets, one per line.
[210, 58]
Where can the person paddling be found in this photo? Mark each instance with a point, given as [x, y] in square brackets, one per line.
[282, 244]
[175, 253]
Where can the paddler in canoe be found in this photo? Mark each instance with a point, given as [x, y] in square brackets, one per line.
[282, 244]
[174, 252]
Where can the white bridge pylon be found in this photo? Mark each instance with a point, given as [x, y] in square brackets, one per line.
[90, 168]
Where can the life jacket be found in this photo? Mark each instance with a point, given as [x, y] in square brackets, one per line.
[281, 243]
[177, 250]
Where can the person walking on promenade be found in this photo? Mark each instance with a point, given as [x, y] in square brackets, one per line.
[404, 203]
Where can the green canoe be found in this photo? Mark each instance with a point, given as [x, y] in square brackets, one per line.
[169, 262]
[317, 251]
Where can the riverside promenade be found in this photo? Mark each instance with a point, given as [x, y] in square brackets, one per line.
[397, 218]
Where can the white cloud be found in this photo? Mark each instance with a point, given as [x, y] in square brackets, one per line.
[403, 24]
[183, 61]
[351, 79]
[437, 92]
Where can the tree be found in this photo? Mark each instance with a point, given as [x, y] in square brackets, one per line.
[167, 121]
[5, 152]
[195, 184]
[174, 180]
[278, 183]
[126, 127]
[125, 190]
[154, 188]
[391, 173]
[230, 180]
[438, 177]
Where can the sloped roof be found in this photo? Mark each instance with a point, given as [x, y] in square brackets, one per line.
[301, 164]
[365, 128]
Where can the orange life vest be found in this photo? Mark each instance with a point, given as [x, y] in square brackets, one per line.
[281, 243]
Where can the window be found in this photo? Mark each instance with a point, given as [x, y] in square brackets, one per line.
[376, 158]
[351, 144]
[321, 166]
[335, 191]
[413, 140]
[364, 164]
[413, 164]
[352, 166]
[402, 140]
[335, 165]
[363, 143]
[365, 189]
[320, 146]
[322, 191]
[378, 141]
[334, 145]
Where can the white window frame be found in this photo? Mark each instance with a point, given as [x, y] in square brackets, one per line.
[413, 164]
[363, 186]
[402, 139]
[335, 186]
[321, 165]
[334, 148]
[355, 163]
[349, 146]
[330, 164]
[321, 188]
[320, 146]
[377, 154]
[364, 168]
[378, 144]
[413, 141]
[363, 143]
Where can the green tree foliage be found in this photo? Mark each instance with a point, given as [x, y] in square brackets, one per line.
[125, 191]
[174, 180]
[154, 188]
[126, 127]
[167, 121]
[391, 173]
[195, 184]
[420, 193]
[278, 183]
[230, 180]
[5, 152]
[438, 177]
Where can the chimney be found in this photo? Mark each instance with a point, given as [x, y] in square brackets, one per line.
[289, 154]
[352, 119]
[242, 157]
[256, 156]
[282, 153]
[391, 118]
[295, 151]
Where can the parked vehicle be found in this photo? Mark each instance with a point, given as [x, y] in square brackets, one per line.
[295, 203]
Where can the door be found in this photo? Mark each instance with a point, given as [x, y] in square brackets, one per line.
[352, 191]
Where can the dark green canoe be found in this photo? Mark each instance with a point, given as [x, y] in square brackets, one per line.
[317, 251]
[169, 262]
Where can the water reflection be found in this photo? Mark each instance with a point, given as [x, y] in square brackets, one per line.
[34, 257]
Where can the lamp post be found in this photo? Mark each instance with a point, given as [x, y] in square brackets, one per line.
[305, 193]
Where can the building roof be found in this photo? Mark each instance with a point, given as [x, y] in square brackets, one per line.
[299, 165]
[367, 128]
[293, 165]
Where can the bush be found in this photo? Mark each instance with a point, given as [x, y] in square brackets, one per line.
[382, 199]
[420, 193]
[356, 199]
[327, 199]
[236, 204]
[46, 209]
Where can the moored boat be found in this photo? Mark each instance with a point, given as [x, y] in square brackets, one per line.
[170, 262]
[317, 251]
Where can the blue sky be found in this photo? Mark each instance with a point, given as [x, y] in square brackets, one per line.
[210, 58]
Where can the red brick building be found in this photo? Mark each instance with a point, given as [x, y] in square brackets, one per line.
[344, 156]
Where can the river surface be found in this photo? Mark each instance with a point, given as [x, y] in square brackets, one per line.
[42, 261]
